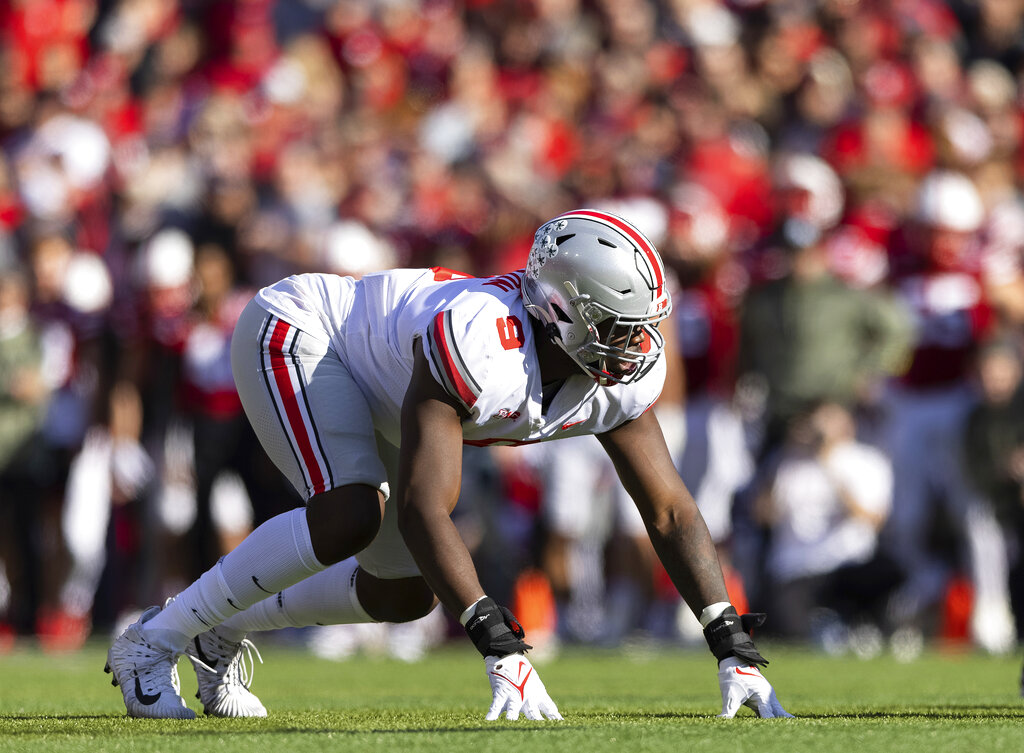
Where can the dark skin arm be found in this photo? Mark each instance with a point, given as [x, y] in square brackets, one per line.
[675, 525]
[429, 478]
[430, 471]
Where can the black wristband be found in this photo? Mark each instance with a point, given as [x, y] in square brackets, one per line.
[495, 631]
[727, 636]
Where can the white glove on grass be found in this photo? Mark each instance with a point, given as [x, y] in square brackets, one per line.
[515, 687]
[743, 684]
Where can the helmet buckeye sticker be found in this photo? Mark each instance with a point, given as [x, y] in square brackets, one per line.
[544, 246]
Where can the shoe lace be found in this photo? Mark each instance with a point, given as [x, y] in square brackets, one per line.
[241, 667]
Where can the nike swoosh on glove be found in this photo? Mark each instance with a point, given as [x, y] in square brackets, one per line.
[743, 684]
[516, 687]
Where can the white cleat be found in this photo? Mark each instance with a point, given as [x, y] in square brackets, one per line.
[224, 671]
[147, 675]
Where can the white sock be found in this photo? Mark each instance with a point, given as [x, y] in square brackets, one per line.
[276, 555]
[327, 598]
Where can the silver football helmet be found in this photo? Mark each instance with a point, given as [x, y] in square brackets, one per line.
[597, 285]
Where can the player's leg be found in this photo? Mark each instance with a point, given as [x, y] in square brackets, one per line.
[576, 506]
[388, 582]
[316, 426]
[339, 595]
[380, 584]
[342, 594]
[904, 538]
[629, 560]
[220, 653]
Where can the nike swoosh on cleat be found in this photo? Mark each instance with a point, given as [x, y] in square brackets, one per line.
[212, 664]
[145, 700]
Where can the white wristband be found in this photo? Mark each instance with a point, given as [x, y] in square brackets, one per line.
[712, 612]
[468, 612]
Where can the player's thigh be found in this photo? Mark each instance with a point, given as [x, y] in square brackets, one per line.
[304, 406]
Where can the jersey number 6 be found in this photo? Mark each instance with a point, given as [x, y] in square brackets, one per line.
[510, 332]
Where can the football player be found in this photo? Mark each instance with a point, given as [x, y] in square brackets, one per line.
[938, 268]
[363, 393]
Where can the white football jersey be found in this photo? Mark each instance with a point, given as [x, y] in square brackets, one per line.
[477, 337]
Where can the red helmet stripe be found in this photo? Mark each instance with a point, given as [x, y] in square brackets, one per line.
[631, 233]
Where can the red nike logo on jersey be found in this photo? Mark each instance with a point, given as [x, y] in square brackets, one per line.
[521, 686]
[572, 423]
[755, 673]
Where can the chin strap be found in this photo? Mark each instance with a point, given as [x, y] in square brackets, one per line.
[552, 333]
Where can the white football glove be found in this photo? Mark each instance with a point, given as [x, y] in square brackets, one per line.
[743, 684]
[515, 687]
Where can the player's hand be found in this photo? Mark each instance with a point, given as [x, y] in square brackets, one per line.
[743, 684]
[516, 687]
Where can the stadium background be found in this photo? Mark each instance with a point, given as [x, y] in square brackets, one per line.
[854, 165]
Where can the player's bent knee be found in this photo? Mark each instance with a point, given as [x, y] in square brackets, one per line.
[344, 521]
[394, 599]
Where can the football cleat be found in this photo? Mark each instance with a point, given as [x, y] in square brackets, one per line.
[147, 675]
[224, 671]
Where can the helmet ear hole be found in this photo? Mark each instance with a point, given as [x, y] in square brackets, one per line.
[562, 316]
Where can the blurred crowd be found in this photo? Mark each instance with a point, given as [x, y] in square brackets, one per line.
[835, 187]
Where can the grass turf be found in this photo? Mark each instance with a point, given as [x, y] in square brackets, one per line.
[652, 701]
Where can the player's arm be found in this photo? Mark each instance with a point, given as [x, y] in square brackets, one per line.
[675, 525]
[429, 475]
[684, 546]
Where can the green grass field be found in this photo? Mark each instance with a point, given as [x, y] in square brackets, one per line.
[661, 701]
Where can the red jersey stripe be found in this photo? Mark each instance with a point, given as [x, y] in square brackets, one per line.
[451, 366]
[296, 422]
